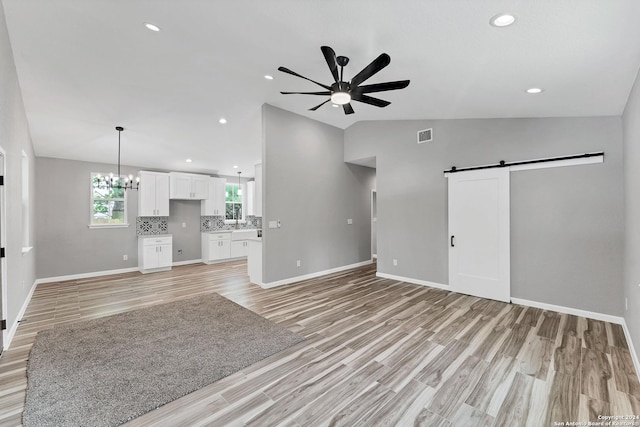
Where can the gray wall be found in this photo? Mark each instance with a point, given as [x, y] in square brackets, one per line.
[15, 138]
[631, 126]
[566, 223]
[65, 243]
[312, 191]
[185, 238]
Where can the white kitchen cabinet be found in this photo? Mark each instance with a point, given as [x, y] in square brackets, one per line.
[188, 186]
[239, 248]
[216, 247]
[251, 198]
[214, 204]
[153, 195]
[257, 207]
[155, 253]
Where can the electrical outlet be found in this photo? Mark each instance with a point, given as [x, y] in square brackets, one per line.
[298, 263]
[184, 225]
[395, 262]
[125, 257]
[349, 221]
[179, 251]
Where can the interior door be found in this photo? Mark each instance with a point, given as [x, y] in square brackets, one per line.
[479, 248]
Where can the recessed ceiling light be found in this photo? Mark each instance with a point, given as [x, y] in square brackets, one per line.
[268, 77]
[502, 20]
[235, 166]
[535, 90]
[189, 160]
[223, 120]
[152, 27]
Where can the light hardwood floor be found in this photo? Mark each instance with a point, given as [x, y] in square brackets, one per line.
[378, 352]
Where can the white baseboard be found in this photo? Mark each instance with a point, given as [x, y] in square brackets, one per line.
[12, 330]
[312, 275]
[85, 275]
[190, 261]
[569, 310]
[414, 281]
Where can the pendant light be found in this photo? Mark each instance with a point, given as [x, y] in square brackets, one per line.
[113, 181]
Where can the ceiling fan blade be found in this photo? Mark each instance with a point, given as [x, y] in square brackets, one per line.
[330, 57]
[348, 109]
[376, 65]
[381, 87]
[369, 100]
[319, 105]
[325, 92]
[293, 73]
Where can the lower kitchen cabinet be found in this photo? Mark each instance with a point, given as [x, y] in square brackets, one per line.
[216, 247]
[220, 246]
[239, 248]
[155, 253]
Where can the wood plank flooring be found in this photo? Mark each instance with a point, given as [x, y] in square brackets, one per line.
[378, 353]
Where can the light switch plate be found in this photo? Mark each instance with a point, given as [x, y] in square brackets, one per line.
[349, 221]
[273, 224]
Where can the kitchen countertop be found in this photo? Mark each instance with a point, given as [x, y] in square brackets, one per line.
[153, 236]
[230, 231]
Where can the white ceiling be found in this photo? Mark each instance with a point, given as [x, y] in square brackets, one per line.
[86, 66]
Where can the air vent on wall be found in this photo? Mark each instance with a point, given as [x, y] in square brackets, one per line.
[425, 135]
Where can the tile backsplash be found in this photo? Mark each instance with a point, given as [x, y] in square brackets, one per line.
[151, 225]
[213, 223]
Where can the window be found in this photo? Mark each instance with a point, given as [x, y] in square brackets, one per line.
[233, 202]
[25, 202]
[108, 205]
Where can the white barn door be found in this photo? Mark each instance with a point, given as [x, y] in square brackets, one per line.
[479, 248]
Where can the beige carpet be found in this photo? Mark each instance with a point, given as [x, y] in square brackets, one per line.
[107, 371]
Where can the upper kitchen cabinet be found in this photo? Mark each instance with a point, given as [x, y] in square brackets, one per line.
[214, 204]
[188, 186]
[251, 198]
[257, 204]
[153, 195]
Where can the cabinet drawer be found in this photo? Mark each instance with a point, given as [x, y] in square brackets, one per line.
[152, 241]
[220, 236]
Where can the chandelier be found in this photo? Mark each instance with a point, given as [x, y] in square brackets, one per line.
[118, 181]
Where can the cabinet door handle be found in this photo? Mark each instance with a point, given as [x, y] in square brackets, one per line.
[452, 245]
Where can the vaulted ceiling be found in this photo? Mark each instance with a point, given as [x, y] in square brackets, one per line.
[86, 66]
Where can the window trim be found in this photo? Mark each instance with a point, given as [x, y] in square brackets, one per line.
[91, 200]
[26, 202]
[242, 220]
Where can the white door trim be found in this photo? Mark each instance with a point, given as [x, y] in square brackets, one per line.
[3, 243]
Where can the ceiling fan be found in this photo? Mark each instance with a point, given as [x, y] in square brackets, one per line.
[341, 92]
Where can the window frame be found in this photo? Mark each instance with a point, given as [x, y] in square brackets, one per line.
[91, 204]
[242, 203]
[26, 203]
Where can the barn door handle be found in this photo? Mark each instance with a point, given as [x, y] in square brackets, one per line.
[452, 245]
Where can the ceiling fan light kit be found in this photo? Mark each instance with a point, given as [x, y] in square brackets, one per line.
[341, 92]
